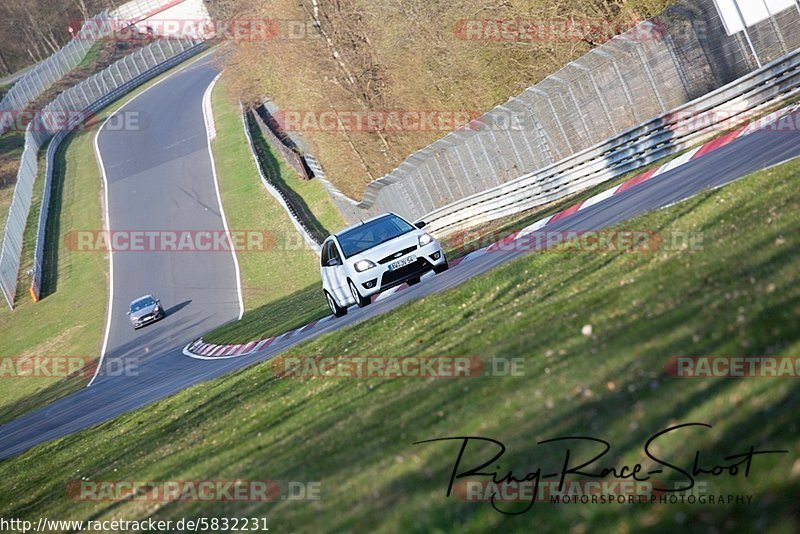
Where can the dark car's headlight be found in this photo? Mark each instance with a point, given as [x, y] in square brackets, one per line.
[363, 265]
[424, 239]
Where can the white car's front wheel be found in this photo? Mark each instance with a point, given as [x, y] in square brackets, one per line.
[361, 301]
[337, 310]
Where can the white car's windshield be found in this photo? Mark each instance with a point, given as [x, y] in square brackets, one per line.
[372, 233]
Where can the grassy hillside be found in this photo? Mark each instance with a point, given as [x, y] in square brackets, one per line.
[735, 295]
[405, 56]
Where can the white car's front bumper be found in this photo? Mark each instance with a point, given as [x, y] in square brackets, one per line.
[381, 278]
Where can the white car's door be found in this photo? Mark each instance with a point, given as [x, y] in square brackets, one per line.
[332, 270]
[339, 275]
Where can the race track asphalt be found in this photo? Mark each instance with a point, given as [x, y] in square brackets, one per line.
[160, 178]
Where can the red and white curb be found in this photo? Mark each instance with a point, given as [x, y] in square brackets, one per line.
[207, 351]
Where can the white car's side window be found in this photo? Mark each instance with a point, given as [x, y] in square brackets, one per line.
[326, 253]
[334, 252]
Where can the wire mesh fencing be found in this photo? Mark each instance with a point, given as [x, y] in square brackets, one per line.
[70, 109]
[652, 68]
[45, 74]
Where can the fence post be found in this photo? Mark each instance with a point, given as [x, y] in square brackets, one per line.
[626, 90]
[556, 118]
[135, 66]
[647, 71]
[600, 97]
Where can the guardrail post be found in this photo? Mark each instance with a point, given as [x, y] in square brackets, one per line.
[777, 30]
[27, 87]
[577, 107]
[122, 78]
[72, 104]
[53, 76]
[85, 97]
[539, 133]
[97, 85]
[152, 55]
[135, 66]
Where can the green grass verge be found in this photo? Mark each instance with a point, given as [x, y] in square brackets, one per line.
[316, 198]
[737, 295]
[70, 319]
[68, 322]
[281, 286]
[92, 56]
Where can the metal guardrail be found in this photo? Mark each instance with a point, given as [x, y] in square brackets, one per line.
[634, 148]
[289, 155]
[98, 90]
[312, 241]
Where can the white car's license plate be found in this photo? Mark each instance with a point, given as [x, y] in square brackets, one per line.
[402, 263]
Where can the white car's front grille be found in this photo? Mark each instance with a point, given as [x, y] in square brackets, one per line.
[397, 255]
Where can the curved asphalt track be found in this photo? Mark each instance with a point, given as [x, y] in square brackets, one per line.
[160, 178]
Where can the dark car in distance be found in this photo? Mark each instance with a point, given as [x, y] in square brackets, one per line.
[145, 310]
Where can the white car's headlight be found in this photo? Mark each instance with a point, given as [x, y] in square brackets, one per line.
[424, 239]
[363, 265]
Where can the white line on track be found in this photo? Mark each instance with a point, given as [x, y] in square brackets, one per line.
[219, 197]
[107, 221]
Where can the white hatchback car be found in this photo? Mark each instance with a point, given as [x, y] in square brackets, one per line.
[373, 256]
